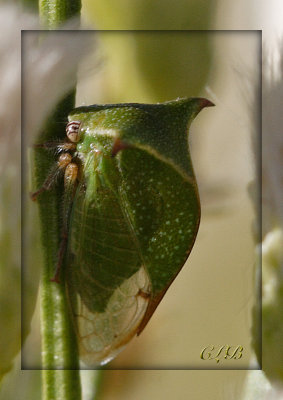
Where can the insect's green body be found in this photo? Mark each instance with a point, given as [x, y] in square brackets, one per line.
[134, 217]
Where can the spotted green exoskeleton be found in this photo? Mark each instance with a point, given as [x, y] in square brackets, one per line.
[130, 216]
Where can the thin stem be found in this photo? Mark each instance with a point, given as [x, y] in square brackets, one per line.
[55, 12]
[60, 362]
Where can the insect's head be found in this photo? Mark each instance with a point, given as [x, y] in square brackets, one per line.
[72, 131]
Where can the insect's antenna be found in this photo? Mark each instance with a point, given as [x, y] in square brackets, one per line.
[46, 145]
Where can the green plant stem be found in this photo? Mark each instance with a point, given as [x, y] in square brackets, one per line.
[60, 362]
[59, 349]
[55, 12]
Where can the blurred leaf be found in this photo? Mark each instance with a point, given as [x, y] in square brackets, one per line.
[165, 59]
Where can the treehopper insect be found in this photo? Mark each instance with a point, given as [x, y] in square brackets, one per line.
[130, 216]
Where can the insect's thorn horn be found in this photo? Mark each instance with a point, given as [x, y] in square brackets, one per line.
[206, 103]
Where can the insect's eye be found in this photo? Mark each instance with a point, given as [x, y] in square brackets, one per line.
[72, 130]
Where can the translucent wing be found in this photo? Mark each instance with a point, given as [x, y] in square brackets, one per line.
[107, 283]
[103, 335]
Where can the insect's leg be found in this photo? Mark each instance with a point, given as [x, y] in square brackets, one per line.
[61, 146]
[61, 164]
[70, 182]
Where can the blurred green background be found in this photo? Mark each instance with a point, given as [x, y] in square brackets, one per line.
[210, 302]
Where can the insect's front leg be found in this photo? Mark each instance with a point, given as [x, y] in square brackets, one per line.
[63, 161]
[70, 183]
